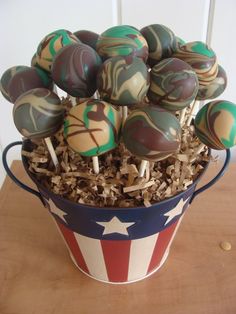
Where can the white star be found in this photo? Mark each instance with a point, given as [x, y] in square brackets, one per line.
[115, 226]
[57, 211]
[177, 210]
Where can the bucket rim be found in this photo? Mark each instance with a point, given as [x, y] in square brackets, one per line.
[49, 193]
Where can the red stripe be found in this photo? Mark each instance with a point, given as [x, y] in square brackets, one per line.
[161, 246]
[74, 247]
[116, 256]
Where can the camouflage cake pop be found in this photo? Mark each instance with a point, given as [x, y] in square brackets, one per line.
[161, 42]
[152, 133]
[92, 128]
[75, 68]
[122, 40]
[123, 80]
[6, 78]
[173, 84]
[38, 113]
[51, 44]
[201, 58]
[87, 37]
[215, 124]
[215, 88]
[26, 80]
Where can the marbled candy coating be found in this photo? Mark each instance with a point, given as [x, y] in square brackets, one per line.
[123, 80]
[38, 113]
[173, 84]
[179, 42]
[51, 44]
[122, 40]
[75, 68]
[26, 80]
[201, 58]
[6, 78]
[152, 133]
[92, 128]
[161, 42]
[215, 124]
[87, 37]
[215, 88]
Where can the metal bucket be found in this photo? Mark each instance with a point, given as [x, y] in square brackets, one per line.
[115, 245]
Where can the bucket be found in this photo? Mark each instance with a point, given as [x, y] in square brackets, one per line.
[115, 245]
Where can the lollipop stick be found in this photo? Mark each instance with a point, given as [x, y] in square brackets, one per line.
[51, 151]
[95, 164]
[191, 113]
[182, 116]
[55, 89]
[124, 114]
[73, 101]
[142, 168]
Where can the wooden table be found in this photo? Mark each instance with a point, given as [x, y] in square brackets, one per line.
[38, 277]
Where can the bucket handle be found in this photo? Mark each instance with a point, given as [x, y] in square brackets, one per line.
[216, 178]
[36, 193]
[13, 177]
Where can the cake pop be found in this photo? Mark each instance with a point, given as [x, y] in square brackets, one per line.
[38, 114]
[74, 70]
[92, 128]
[6, 78]
[215, 124]
[152, 133]
[26, 80]
[123, 80]
[87, 37]
[51, 44]
[122, 40]
[161, 42]
[201, 58]
[173, 84]
[215, 88]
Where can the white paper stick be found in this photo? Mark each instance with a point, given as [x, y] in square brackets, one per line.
[95, 164]
[51, 151]
[124, 113]
[96, 96]
[55, 89]
[73, 101]
[191, 113]
[182, 116]
[142, 168]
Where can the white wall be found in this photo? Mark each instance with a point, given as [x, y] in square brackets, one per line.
[25, 22]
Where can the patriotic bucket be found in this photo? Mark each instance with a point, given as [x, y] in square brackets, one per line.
[115, 245]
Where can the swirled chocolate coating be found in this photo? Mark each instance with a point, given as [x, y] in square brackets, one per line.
[6, 78]
[75, 69]
[26, 80]
[122, 40]
[173, 84]
[215, 88]
[161, 42]
[152, 133]
[92, 128]
[38, 113]
[51, 44]
[201, 58]
[123, 80]
[87, 37]
[215, 124]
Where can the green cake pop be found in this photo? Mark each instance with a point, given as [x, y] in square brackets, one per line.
[215, 124]
[6, 78]
[201, 58]
[173, 84]
[122, 40]
[215, 88]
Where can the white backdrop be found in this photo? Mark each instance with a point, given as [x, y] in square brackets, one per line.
[25, 22]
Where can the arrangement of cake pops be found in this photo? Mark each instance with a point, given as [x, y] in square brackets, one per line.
[125, 135]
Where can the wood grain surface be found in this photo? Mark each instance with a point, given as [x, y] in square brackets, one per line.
[38, 277]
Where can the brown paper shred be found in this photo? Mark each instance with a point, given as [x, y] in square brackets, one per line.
[118, 183]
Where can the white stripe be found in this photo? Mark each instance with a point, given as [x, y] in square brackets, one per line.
[141, 251]
[93, 255]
